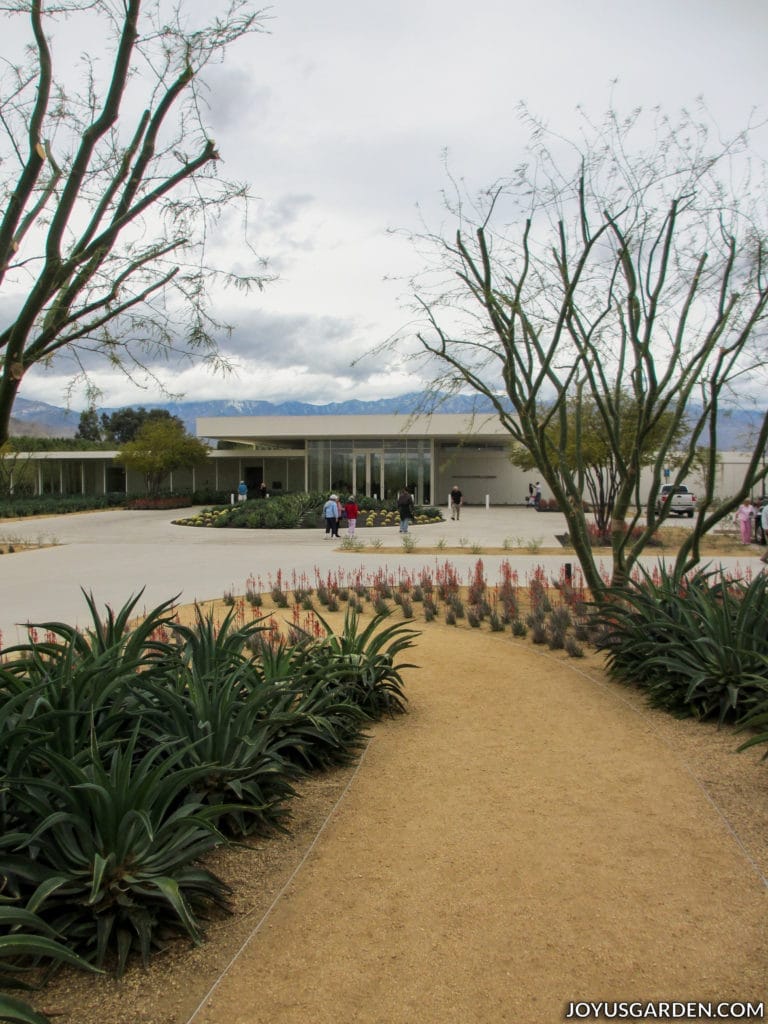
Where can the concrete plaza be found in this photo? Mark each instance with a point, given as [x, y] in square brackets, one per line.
[115, 554]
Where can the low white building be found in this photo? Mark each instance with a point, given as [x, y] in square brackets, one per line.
[368, 455]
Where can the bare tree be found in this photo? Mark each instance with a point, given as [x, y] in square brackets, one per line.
[612, 281]
[108, 187]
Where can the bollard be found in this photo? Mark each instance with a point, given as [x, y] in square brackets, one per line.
[231, 499]
[487, 502]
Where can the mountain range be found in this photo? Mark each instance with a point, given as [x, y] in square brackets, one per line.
[42, 420]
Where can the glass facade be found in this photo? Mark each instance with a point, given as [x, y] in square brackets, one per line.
[372, 467]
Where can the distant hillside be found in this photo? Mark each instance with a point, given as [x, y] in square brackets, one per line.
[39, 419]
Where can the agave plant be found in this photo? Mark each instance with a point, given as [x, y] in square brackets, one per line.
[362, 662]
[209, 647]
[26, 940]
[232, 728]
[80, 683]
[697, 645]
[123, 630]
[756, 719]
[323, 728]
[108, 855]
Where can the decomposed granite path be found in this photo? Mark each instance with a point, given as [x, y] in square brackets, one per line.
[521, 840]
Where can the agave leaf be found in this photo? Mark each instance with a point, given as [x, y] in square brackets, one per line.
[44, 890]
[39, 946]
[16, 1012]
[169, 888]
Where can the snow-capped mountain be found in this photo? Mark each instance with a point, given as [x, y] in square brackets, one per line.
[736, 428]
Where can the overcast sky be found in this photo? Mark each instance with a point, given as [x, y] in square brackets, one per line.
[339, 117]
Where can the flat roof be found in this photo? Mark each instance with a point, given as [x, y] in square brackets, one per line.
[311, 428]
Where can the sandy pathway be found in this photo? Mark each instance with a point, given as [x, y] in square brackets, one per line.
[520, 840]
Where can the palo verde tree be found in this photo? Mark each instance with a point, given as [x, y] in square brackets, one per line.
[620, 277]
[108, 185]
[160, 447]
[593, 459]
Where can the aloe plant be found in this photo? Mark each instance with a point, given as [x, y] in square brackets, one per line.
[233, 732]
[122, 630]
[80, 683]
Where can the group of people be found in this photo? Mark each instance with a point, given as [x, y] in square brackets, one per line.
[334, 512]
[242, 491]
[534, 495]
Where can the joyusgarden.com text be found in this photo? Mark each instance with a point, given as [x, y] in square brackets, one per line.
[672, 1010]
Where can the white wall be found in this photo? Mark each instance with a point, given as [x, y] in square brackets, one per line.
[477, 473]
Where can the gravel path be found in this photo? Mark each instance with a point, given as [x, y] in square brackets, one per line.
[523, 839]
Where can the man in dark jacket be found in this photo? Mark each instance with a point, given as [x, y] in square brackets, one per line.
[405, 508]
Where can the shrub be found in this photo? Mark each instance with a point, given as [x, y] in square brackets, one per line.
[697, 645]
[159, 501]
[496, 622]
[573, 649]
[555, 639]
[284, 512]
[538, 632]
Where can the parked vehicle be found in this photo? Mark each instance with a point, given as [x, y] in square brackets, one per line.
[678, 501]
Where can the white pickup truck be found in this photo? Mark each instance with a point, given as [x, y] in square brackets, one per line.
[678, 501]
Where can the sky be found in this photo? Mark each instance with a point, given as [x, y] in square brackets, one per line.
[342, 115]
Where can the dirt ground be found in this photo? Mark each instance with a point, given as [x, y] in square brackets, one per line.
[724, 542]
[530, 834]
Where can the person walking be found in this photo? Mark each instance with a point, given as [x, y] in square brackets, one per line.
[537, 496]
[744, 516]
[331, 513]
[242, 491]
[351, 510]
[405, 508]
[456, 502]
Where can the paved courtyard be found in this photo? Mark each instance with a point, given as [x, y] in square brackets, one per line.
[115, 554]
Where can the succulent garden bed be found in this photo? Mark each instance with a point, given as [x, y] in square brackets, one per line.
[294, 511]
[177, 980]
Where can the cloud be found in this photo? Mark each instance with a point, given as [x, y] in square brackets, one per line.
[338, 121]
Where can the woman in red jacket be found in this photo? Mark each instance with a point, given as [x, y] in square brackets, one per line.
[350, 511]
